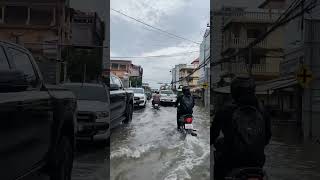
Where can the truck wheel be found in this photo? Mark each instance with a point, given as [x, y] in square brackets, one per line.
[62, 167]
[129, 114]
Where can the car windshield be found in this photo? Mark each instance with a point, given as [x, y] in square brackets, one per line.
[91, 93]
[138, 91]
[166, 92]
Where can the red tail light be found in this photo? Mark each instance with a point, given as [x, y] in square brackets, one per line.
[188, 120]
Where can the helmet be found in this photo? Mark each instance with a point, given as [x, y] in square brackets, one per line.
[186, 90]
[242, 86]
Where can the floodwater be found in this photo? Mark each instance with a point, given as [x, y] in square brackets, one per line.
[152, 148]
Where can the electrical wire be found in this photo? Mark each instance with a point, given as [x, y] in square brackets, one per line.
[158, 56]
[153, 27]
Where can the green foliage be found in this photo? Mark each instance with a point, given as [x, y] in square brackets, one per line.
[136, 81]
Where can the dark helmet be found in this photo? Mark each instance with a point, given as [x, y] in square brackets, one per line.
[157, 92]
[242, 86]
[186, 90]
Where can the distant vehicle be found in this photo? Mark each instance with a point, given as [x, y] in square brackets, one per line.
[167, 97]
[121, 102]
[38, 122]
[93, 109]
[149, 95]
[140, 98]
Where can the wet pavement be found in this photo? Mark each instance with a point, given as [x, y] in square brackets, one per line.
[151, 148]
[289, 157]
[92, 161]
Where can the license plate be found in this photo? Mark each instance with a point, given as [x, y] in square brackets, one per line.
[156, 105]
[188, 126]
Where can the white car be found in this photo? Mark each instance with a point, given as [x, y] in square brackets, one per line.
[140, 98]
[167, 97]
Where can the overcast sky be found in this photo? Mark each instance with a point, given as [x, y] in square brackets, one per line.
[187, 18]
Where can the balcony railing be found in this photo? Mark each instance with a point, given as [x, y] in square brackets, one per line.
[241, 43]
[257, 69]
[253, 16]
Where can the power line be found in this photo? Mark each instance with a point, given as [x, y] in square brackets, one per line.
[142, 57]
[158, 29]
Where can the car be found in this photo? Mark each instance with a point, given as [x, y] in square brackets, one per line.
[167, 97]
[121, 103]
[140, 98]
[38, 121]
[93, 109]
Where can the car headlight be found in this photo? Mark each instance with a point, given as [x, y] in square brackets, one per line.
[142, 98]
[102, 114]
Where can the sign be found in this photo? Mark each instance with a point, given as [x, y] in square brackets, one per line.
[304, 76]
[205, 85]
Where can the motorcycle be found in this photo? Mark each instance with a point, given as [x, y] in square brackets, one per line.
[156, 106]
[186, 124]
[248, 173]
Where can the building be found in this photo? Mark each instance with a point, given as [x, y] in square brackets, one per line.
[87, 29]
[40, 27]
[302, 49]
[243, 28]
[204, 72]
[176, 76]
[126, 71]
[186, 79]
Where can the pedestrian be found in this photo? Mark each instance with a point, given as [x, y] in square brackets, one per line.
[184, 104]
[246, 130]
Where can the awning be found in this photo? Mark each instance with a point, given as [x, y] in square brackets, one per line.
[264, 87]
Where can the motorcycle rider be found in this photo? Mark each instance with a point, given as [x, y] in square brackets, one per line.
[184, 104]
[156, 98]
[231, 153]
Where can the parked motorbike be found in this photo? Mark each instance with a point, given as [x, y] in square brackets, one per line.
[186, 124]
[248, 173]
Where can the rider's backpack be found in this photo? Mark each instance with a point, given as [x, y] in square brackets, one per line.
[186, 104]
[249, 128]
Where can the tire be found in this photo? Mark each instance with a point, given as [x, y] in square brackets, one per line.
[61, 168]
[129, 114]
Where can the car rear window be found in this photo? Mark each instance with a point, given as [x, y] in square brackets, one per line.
[166, 92]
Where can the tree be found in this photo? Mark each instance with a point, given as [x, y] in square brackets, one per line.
[135, 81]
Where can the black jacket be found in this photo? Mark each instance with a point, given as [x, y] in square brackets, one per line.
[180, 103]
[222, 122]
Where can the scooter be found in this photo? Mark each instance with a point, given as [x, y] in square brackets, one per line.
[186, 124]
[156, 105]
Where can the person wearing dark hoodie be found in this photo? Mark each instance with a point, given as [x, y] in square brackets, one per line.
[226, 156]
[184, 104]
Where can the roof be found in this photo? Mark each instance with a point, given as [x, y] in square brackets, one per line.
[120, 61]
[195, 61]
[264, 87]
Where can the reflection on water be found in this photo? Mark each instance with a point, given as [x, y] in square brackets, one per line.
[289, 157]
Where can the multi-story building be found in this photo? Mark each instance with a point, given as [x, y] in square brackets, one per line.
[126, 71]
[87, 29]
[176, 75]
[204, 72]
[243, 28]
[302, 49]
[39, 26]
[186, 79]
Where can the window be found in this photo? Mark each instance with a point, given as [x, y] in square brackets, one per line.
[41, 16]
[114, 66]
[16, 15]
[23, 63]
[123, 67]
[90, 93]
[3, 60]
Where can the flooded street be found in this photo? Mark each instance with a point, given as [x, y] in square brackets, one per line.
[152, 148]
[289, 158]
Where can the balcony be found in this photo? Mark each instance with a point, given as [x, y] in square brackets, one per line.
[257, 69]
[235, 43]
[257, 17]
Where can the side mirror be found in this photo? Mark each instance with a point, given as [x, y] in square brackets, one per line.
[13, 81]
[114, 87]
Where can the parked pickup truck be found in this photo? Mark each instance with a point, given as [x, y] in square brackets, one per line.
[121, 102]
[37, 122]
